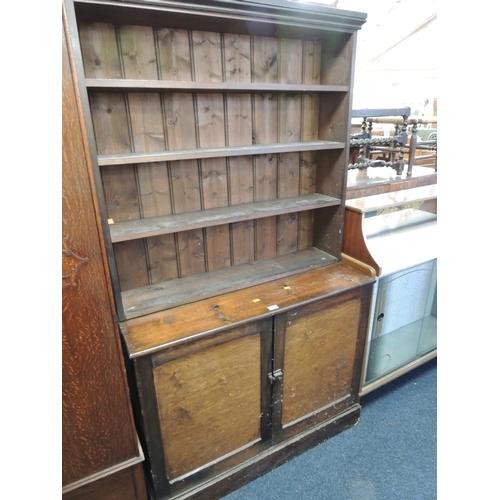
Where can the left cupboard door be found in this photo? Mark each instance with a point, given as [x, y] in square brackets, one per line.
[206, 405]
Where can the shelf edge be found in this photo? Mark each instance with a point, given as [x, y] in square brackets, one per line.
[134, 85]
[221, 152]
[173, 223]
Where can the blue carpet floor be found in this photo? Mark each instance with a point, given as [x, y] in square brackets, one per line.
[390, 455]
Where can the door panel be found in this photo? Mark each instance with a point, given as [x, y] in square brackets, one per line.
[210, 398]
[320, 355]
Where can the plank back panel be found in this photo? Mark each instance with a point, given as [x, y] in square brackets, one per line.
[174, 54]
[146, 122]
[138, 52]
[100, 50]
[289, 130]
[175, 63]
[237, 68]
[207, 59]
[164, 120]
[112, 127]
[155, 194]
[138, 48]
[110, 117]
[120, 189]
[265, 130]
[337, 59]
[310, 113]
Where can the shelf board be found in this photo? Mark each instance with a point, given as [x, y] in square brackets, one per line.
[153, 298]
[183, 86]
[220, 152]
[166, 224]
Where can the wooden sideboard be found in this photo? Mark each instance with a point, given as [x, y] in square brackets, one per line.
[233, 386]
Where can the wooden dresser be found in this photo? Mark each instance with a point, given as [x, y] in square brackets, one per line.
[218, 134]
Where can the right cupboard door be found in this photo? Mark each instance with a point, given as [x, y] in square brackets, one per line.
[318, 353]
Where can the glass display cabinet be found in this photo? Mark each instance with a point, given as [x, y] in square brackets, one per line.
[394, 235]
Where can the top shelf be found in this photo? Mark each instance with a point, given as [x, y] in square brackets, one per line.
[98, 84]
[262, 17]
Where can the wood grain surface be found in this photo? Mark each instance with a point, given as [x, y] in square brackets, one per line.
[209, 403]
[167, 152]
[155, 331]
[319, 355]
[97, 426]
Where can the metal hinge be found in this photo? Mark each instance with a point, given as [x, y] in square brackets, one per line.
[276, 375]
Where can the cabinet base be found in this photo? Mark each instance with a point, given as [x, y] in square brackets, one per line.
[270, 459]
[397, 373]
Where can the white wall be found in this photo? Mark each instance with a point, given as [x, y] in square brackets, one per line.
[396, 57]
